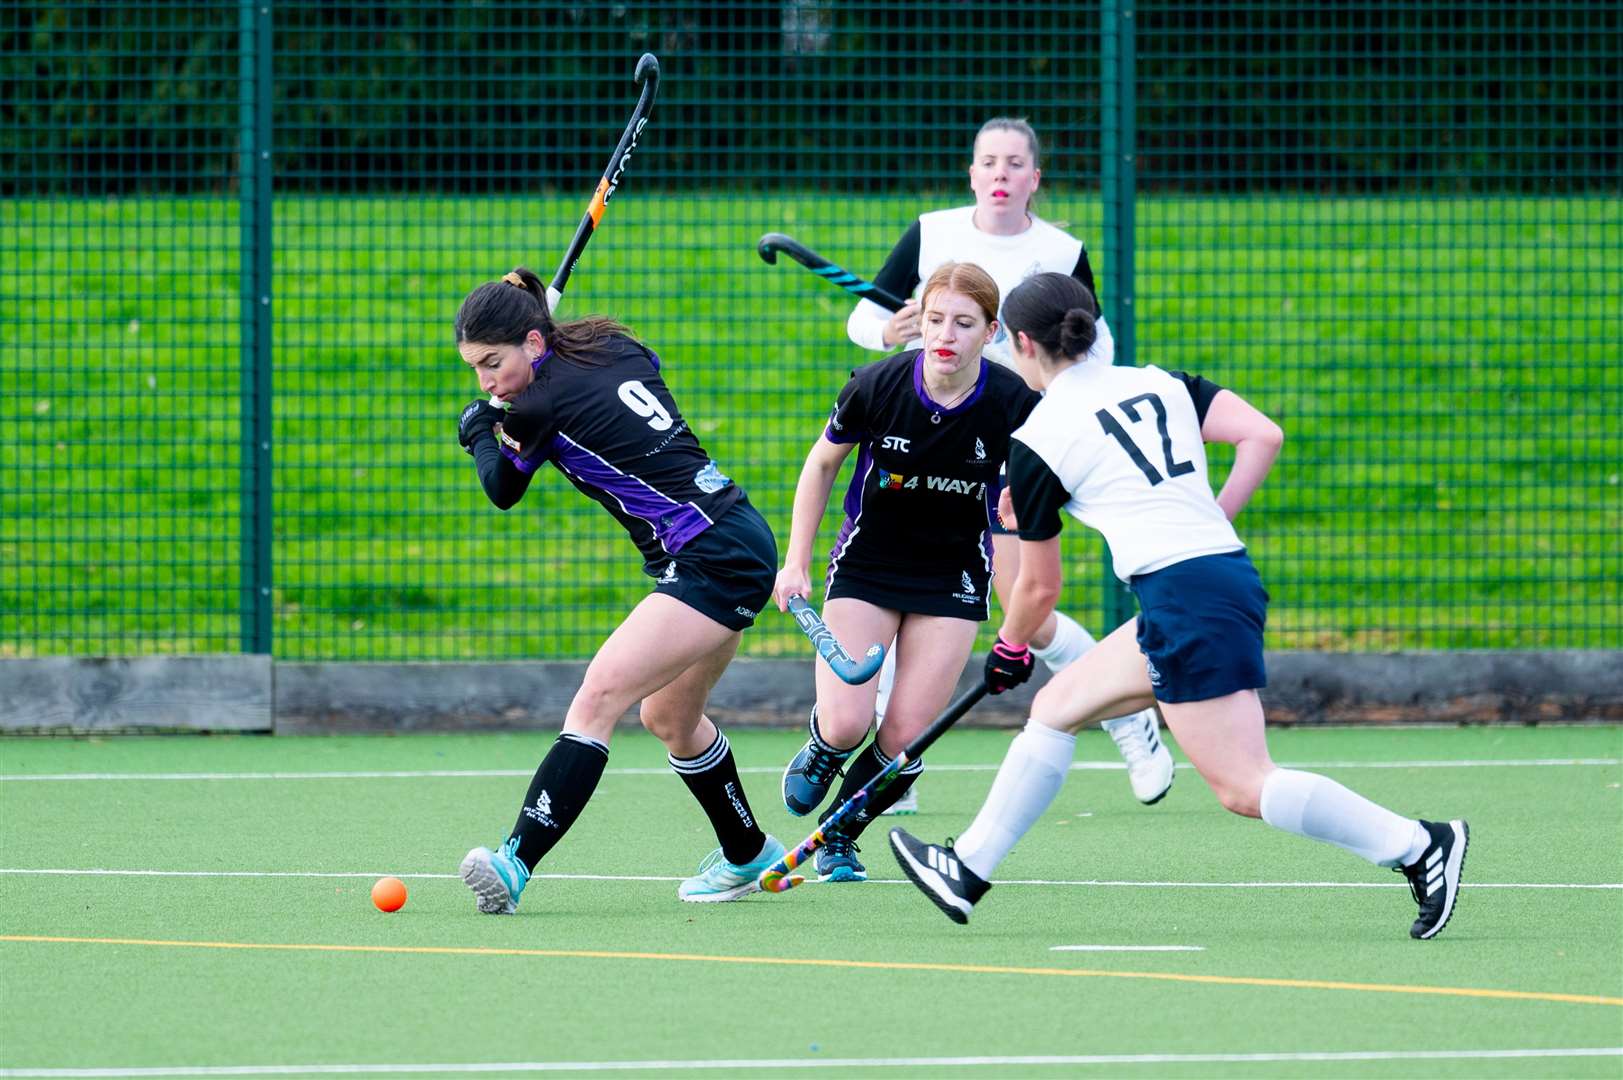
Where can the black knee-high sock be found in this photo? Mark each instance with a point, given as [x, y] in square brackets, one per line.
[863, 768]
[713, 779]
[563, 783]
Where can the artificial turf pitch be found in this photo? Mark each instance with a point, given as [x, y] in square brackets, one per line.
[195, 911]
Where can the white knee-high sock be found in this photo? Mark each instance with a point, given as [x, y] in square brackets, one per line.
[1070, 642]
[1317, 807]
[1029, 778]
[887, 679]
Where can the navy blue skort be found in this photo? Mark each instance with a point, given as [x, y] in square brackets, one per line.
[1200, 627]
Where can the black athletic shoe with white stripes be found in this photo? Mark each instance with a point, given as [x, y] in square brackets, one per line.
[1434, 878]
[950, 885]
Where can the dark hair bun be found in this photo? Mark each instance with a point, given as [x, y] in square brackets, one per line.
[1078, 332]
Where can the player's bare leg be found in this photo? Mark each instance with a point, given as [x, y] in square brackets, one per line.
[843, 713]
[1060, 643]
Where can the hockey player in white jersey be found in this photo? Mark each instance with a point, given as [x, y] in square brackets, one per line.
[1122, 449]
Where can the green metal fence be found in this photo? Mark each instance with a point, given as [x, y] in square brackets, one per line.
[232, 236]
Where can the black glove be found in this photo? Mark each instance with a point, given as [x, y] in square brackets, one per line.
[1007, 667]
[478, 418]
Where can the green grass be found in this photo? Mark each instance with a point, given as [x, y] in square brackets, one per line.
[1445, 370]
[667, 984]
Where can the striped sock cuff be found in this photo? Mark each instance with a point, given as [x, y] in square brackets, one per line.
[585, 740]
[704, 762]
[817, 736]
[912, 768]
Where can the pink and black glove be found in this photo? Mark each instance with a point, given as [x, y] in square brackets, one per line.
[1007, 667]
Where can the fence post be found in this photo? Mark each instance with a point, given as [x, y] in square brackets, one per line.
[254, 216]
[1117, 118]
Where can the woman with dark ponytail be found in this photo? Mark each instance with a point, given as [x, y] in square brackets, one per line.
[586, 398]
[1122, 449]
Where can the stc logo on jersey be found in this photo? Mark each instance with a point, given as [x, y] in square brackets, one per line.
[895, 442]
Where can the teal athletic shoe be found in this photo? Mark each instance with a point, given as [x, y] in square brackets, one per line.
[719, 880]
[807, 777]
[497, 878]
[837, 861]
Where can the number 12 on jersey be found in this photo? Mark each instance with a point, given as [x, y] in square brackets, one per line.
[1114, 429]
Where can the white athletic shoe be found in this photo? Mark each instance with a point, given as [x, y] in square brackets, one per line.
[1149, 762]
[719, 880]
[908, 803]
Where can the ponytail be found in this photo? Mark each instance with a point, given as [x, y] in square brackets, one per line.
[1056, 311]
[504, 312]
[1078, 332]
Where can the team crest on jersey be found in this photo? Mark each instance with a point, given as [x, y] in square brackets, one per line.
[710, 479]
[967, 590]
[980, 450]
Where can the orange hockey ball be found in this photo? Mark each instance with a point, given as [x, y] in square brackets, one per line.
[389, 894]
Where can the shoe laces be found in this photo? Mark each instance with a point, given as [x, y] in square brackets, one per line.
[1417, 883]
[509, 851]
[821, 766]
[1131, 740]
[838, 845]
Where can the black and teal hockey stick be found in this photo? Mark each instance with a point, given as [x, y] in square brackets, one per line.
[773, 242]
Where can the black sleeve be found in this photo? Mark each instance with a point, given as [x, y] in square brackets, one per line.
[1084, 273]
[525, 434]
[504, 484]
[1037, 493]
[848, 422]
[900, 274]
[1201, 391]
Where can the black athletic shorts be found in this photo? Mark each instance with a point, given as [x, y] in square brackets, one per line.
[727, 571]
[955, 594]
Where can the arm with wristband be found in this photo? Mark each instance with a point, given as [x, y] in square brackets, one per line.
[1037, 497]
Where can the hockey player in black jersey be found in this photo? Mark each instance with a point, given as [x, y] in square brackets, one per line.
[913, 560]
[586, 398]
[1002, 234]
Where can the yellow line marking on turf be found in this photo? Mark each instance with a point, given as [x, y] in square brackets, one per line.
[872, 965]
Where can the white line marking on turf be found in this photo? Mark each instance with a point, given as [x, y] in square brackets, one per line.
[755, 1064]
[1127, 948]
[1043, 882]
[502, 774]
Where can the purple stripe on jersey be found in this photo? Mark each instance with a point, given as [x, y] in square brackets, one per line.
[518, 463]
[674, 523]
[848, 528]
[928, 403]
[859, 479]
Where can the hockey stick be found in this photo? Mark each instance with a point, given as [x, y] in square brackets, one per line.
[774, 242]
[646, 74]
[777, 877]
[829, 647]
